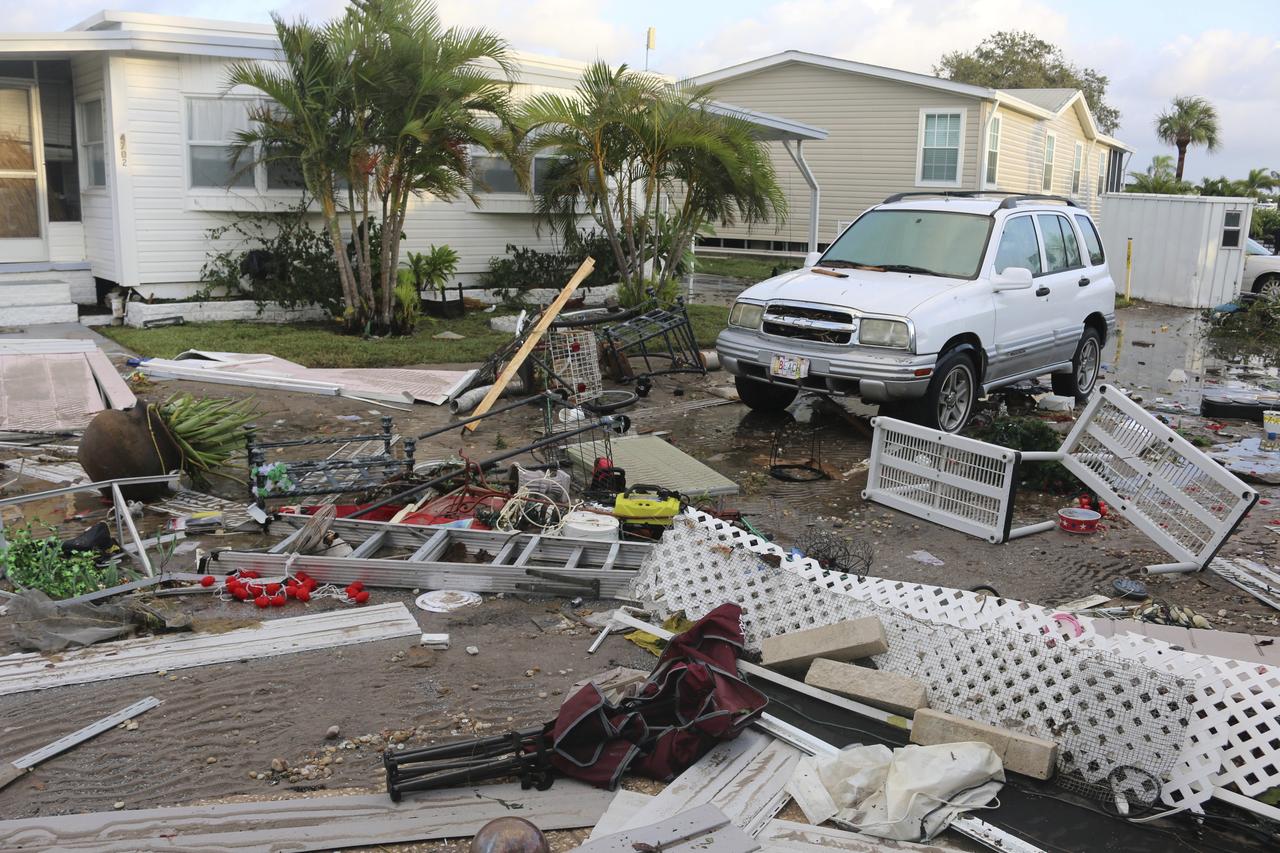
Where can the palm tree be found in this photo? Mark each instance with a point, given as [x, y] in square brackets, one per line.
[629, 145]
[1158, 178]
[379, 105]
[1192, 120]
[1258, 182]
[1219, 187]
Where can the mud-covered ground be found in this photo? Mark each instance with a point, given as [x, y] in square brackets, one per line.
[221, 726]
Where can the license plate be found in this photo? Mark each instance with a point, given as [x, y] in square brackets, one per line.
[789, 367]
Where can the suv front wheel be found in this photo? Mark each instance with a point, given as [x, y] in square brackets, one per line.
[1084, 368]
[952, 393]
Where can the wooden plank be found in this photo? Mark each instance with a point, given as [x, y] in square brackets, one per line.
[113, 387]
[32, 671]
[621, 809]
[704, 829]
[752, 797]
[310, 823]
[704, 780]
[535, 335]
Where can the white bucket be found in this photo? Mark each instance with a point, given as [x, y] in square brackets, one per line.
[590, 525]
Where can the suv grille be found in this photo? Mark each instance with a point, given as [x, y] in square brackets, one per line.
[811, 324]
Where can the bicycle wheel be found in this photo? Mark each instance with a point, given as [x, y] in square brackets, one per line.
[592, 317]
[611, 401]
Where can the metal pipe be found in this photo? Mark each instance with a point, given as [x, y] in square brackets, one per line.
[815, 194]
[516, 405]
[404, 496]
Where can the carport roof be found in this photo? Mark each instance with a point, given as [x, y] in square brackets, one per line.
[770, 128]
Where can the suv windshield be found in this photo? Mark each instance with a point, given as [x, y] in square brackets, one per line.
[915, 241]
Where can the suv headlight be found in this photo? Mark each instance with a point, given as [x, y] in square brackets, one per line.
[746, 315]
[884, 333]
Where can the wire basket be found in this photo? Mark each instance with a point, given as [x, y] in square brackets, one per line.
[575, 363]
[583, 452]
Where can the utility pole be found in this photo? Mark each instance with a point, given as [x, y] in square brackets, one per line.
[650, 44]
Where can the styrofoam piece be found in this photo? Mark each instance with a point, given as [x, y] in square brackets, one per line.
[1170, 490]
[951, 480]
[32, 671]
[446, 601]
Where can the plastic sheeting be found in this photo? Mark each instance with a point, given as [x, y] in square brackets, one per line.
[38, 623]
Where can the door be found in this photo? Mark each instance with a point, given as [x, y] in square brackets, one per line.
[1024, 327]
[22, 214]
[1064, 269]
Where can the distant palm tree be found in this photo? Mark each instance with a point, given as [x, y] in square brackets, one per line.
[1192, 120]
[1258, 182]
[1219, 187]
[1157, 179]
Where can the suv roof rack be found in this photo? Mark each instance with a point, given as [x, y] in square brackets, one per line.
[1010, 201]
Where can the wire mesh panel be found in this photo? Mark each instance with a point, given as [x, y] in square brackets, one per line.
[1171, 491]
[580, 453]
[957, 482]
[575, 361]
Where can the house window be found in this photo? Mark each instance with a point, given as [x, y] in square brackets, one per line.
[92, 144]
[940, 134]
[1046, 182]
[211, 127]
[1102, 173]
[1077, 166]
[494, 174]
[1231, 229]
[993, 151]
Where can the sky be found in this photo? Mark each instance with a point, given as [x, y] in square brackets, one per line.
[1227, 51]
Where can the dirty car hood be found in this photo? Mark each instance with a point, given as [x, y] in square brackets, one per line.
[869, 292]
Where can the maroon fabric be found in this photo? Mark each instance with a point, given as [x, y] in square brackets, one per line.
[691, 700]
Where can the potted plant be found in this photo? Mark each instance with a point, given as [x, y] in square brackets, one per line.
[430, 271]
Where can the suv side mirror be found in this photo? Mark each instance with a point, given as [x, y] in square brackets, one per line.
[811, 259]
[1013, 278]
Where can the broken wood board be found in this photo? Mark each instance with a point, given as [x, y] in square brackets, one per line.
[784, 836]
[31, 671]
[311, 823]
[704, 829]
[651, 460]
[744, 777]
[622, 808]
[1254, 578]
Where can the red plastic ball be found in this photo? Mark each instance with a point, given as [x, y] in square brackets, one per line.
[273, 588]
[262, 601]
[207, 580]
[302, 595]
[240, 594]
[362, 596]
[278, 600]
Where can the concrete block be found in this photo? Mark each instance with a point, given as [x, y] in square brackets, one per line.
[878, 688]
[841, 641]
[1021, 753]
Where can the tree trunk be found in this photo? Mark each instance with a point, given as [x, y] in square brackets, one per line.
[1182, 160]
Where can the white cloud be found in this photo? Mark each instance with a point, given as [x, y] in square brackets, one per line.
[910, 35]
[573, 29]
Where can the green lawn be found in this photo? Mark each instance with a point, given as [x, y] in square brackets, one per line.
[750, 267]
[319, 345]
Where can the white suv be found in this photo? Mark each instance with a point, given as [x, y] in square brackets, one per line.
[926, 303]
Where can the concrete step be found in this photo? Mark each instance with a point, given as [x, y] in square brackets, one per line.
[18, 294]
[95, 319]
[32, 315]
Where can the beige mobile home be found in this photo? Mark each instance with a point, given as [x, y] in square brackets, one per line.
[892, 131]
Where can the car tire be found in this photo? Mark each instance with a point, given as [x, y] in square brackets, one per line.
[764, 396]
[1086, 364]
[953, 393]
[1267, 285]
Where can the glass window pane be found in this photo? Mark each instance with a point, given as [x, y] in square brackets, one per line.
[1073, 246]
[1091, 240]
[95, 156]
[542, 167]
[1232, 219]
[211, 167]
[91, 115]
[495, 175]
[216, 119]
[285, 175]
[1018, 246]
[992, 164]
[1055, 250]
[950, 244]
[15, 129]
[1231, 238]
[21, 208]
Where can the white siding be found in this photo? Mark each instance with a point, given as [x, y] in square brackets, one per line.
[1021, 160]
[89, 76]
[871, 152]
[1178, 258]
[171, 223]
[66, 242]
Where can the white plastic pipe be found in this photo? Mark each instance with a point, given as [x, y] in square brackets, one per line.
[1170, 568]
[468, 401]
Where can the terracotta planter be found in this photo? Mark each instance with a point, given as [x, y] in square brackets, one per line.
[129, 443]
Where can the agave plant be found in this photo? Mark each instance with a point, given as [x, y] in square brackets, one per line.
[207, 431]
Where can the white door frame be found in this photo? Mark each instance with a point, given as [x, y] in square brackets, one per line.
[19, 249]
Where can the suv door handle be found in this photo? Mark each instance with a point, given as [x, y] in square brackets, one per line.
[1084, 280]
[1042, 291]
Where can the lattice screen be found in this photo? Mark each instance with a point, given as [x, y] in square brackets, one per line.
[1112, 702]
[575, 359]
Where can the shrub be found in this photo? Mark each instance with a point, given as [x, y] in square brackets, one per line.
[1265, 224]
[1029, 433]
[431, 270]
[38, 562]
[524, 268]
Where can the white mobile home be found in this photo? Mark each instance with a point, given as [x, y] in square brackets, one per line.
[1188, 250]
[113, 162]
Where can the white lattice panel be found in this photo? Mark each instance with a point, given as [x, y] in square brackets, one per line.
[575, 358]
[1216, 721]
[1155, 478]
[951, 480]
